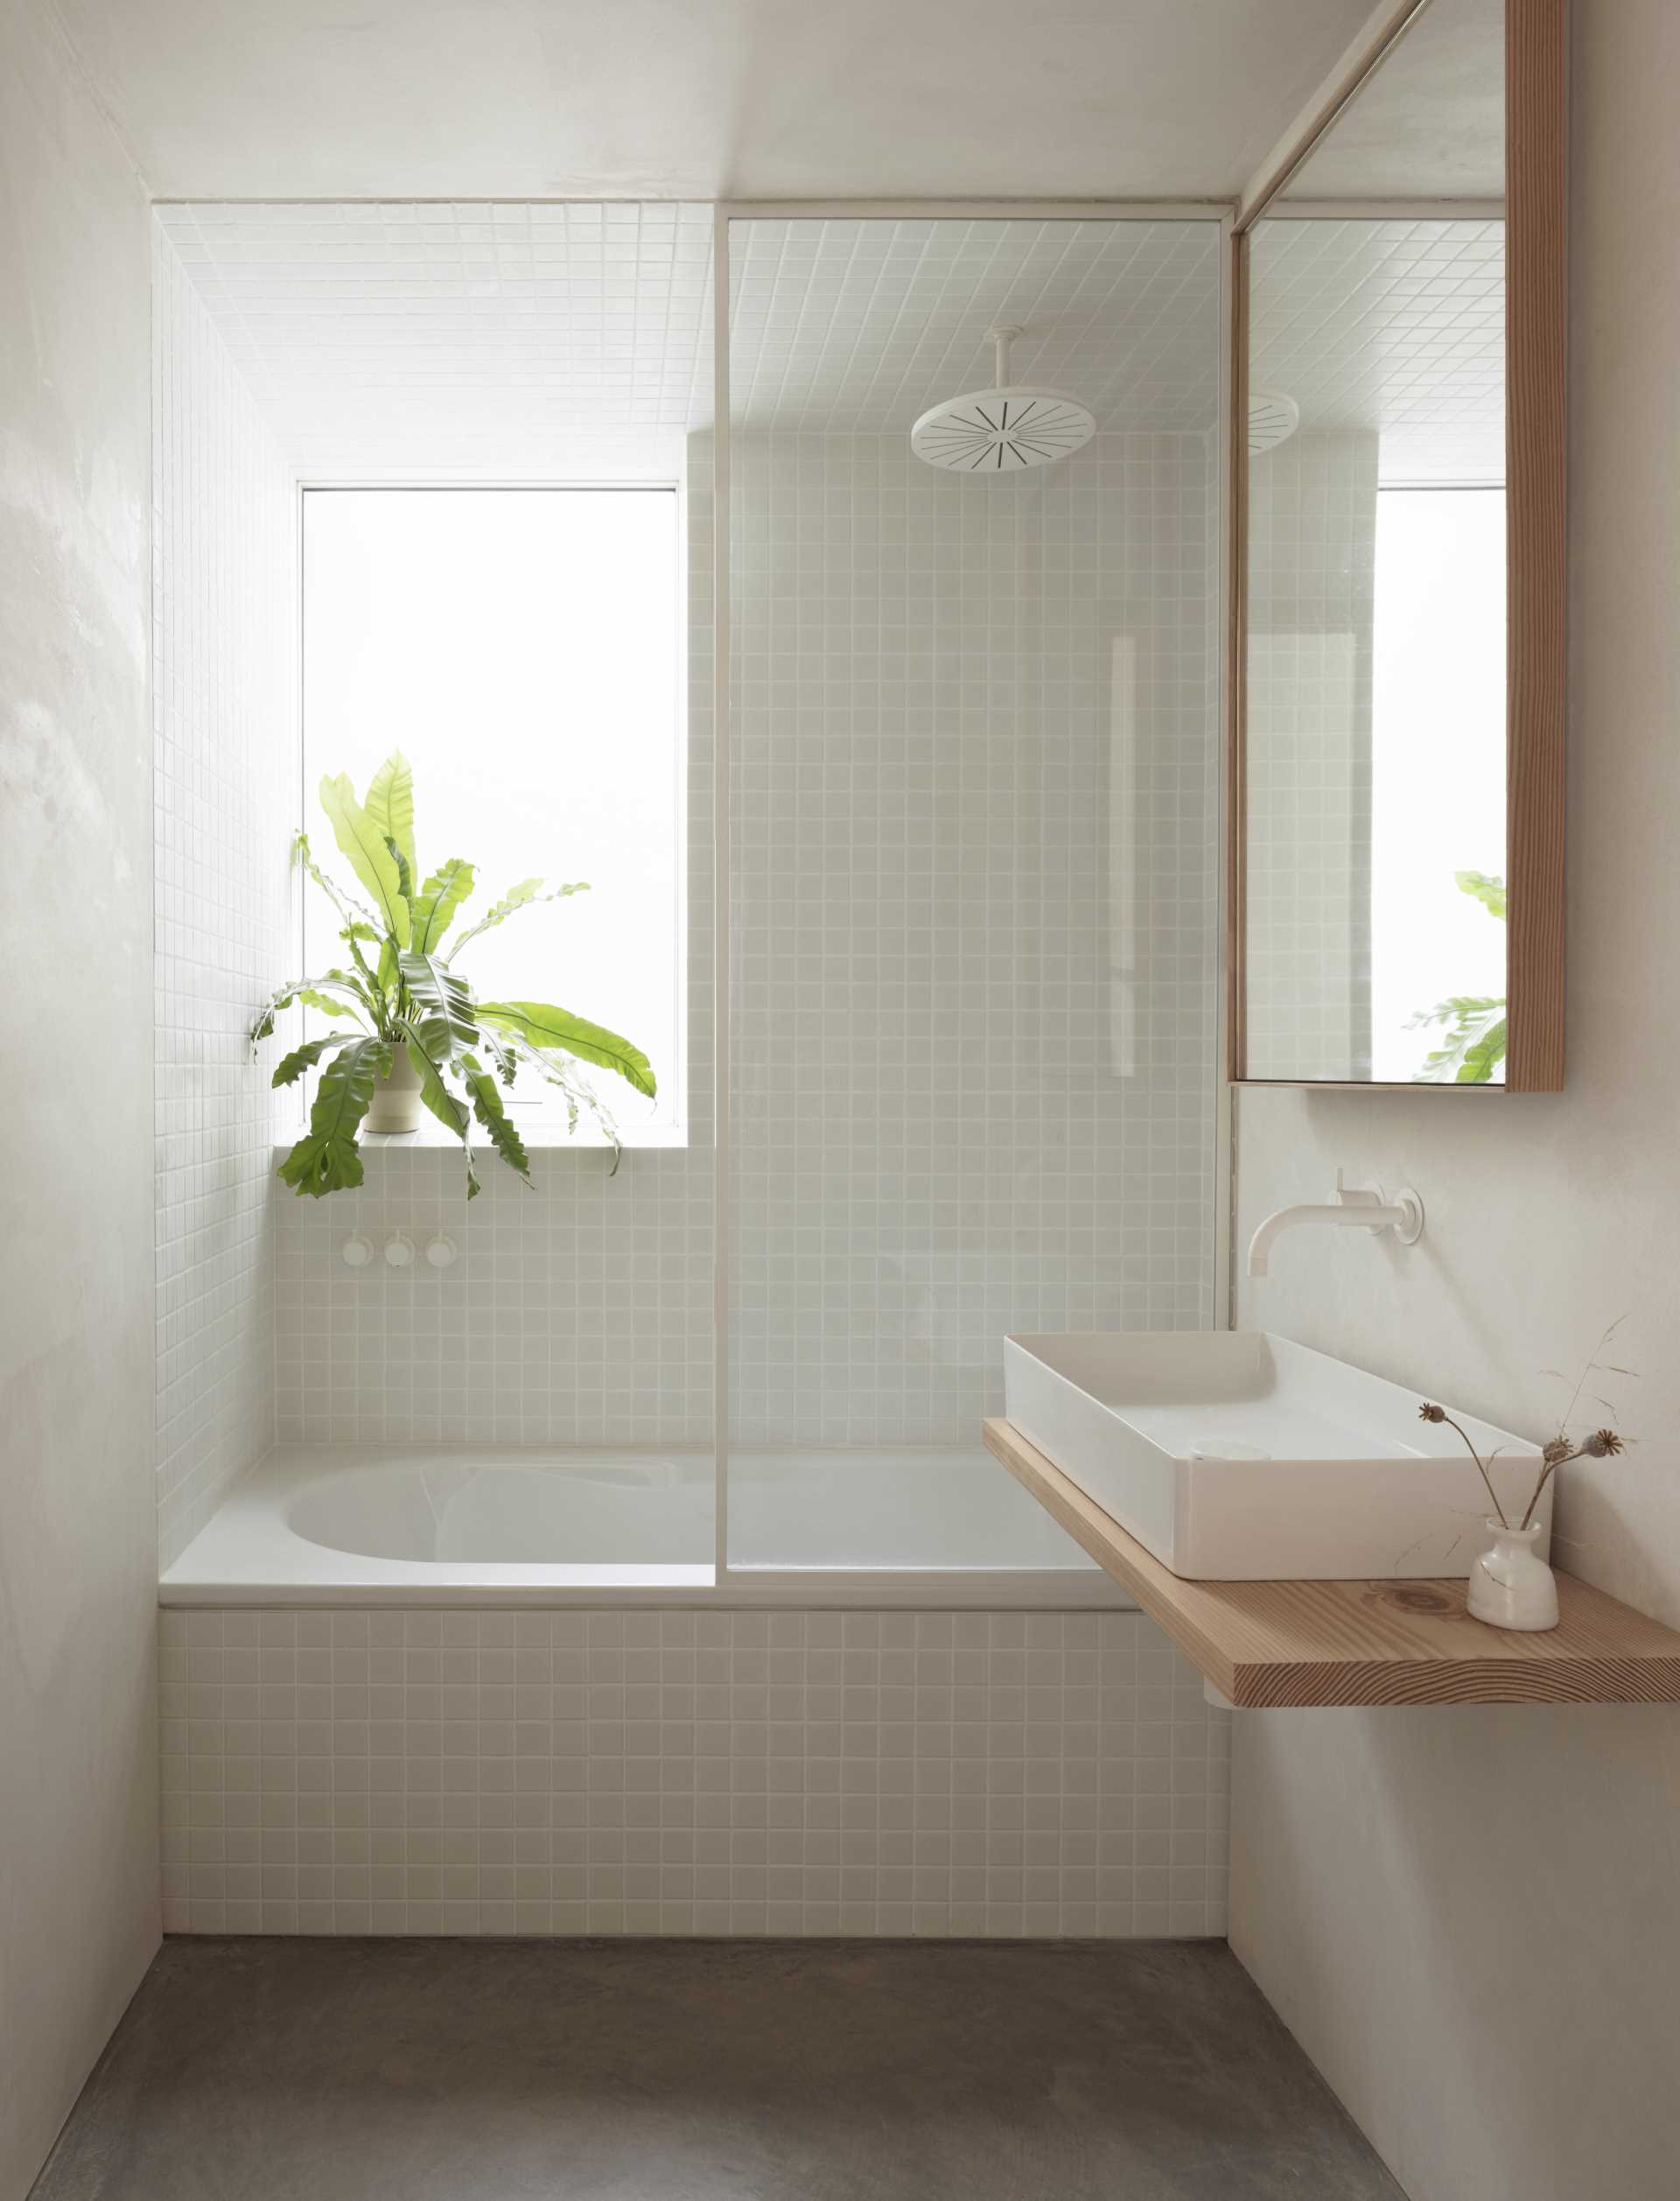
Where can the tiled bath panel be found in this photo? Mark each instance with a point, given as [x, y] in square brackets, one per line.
[556, 1772]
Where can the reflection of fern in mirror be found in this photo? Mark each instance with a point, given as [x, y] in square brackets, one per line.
[401, 992]
[1472, 1041]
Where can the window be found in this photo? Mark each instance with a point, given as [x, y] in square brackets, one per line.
[524, 646]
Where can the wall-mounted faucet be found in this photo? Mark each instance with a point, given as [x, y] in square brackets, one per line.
[1355, 1207]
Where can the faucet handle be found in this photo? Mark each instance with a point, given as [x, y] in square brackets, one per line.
[1403, 1215]
[1346, 1196]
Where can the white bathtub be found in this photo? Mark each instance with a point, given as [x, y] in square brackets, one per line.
[417, 1527]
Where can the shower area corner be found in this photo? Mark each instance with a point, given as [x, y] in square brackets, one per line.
[668, 1486]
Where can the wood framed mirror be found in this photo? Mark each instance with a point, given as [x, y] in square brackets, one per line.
[1394, 812]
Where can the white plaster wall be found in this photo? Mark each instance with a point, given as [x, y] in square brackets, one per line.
[1469, 1918]
[78, 1580]
[226, 750]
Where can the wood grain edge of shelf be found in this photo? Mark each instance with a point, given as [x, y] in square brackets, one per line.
[1623, 1658]
[1481, 1680]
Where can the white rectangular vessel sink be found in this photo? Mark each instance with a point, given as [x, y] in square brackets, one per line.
[1236, 1456]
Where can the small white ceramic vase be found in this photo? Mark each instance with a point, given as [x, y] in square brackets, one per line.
[395, 1105]
[1511, 1585]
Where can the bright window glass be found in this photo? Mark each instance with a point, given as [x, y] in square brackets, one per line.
[522, 646]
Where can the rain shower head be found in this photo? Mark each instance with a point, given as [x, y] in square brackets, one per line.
[1002, 429]
[1273, 419]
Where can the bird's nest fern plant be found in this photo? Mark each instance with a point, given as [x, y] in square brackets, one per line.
[1473, 1025]
[402, 993]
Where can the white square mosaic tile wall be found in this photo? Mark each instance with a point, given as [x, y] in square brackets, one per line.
[577, 1313]
[1311, 604]
[733, 1773]
[974, 918]
[224, 646]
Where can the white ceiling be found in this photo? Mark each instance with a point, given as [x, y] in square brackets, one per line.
[519, 339]
[695, 99]
[1394, 325]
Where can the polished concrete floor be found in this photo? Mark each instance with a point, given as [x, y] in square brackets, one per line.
[692, 2071]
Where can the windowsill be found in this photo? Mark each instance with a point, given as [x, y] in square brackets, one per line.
[542, 1138]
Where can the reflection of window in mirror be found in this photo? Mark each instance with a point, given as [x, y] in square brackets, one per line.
[1437, 784]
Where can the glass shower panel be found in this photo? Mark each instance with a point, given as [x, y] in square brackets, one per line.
[558, 348]
[972, 873]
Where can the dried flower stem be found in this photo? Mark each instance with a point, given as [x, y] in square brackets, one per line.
[1558, 1451]
[1546, 1473]
[1593, 1367]
[1603, 1444]
[1482, 1467]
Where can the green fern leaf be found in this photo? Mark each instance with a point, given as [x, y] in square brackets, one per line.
[434, 906]
[352, 912]
[343, 1000]
[544, 1026]
[564, 1073]
[390, 806]
[489, 1108]
[325, 1004]
[306, 1056]
[524, 896]
[368, 857]
[326, 1158]
[1490, 893]
[404, 876]
[444, 999]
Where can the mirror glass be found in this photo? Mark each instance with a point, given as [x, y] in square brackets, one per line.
[1375, 721]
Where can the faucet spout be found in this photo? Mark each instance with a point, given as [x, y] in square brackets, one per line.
[1355, 1208]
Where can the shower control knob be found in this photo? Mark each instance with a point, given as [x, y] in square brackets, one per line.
[399, 1250]
[358, 1251]
[440, 1251]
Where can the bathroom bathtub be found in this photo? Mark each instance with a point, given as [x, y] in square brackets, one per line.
[413, 1525]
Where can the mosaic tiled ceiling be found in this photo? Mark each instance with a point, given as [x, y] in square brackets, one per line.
[861, 326]
[462, 338]
[472, 338]
[1395, 326]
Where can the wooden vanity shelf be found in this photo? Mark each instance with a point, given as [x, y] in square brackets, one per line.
[1298, 1643]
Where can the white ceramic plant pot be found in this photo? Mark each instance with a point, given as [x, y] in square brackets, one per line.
[395, 1105]
[1509, 1586]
